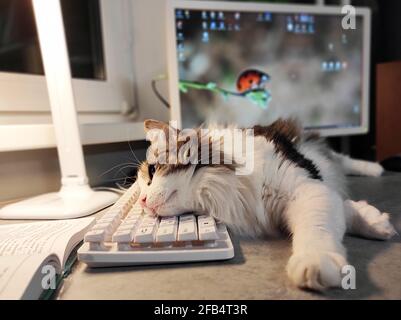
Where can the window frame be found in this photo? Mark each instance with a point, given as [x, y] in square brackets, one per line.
[91, 95]
[25, 95]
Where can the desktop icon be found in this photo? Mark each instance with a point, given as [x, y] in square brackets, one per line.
[179, 14]
[181, 56]
[205, 36]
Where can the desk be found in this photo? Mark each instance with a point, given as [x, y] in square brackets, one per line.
[258, 269]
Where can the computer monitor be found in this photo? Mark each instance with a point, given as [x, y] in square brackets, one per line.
[248, 63]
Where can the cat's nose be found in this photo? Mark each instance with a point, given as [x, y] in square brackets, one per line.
[143, 201]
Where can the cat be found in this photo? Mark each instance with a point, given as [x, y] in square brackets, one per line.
[297, 186]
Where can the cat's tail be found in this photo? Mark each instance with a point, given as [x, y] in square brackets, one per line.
[358, 167]
[365, 220]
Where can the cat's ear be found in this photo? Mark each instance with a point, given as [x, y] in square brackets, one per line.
[154, 125]
[151, 124]
[159, 131]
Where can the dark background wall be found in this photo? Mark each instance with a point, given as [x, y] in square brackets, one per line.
[386, 47]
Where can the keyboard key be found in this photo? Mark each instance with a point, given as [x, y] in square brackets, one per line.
[169, 221]
[102, 225]
[135, 211]
[108, 219]
[187, 218]
[145, 234]
[113, 214]
[125, 208]
[129, 223]
[205, 221]
[149, 221]
[207, 228]
[208, 233]
[108, 227]
[187, 230]
[95, 236]
[133, 218]
[146, 231]
[115, 219]
[166, 233]
[125, 226]
[124, 235]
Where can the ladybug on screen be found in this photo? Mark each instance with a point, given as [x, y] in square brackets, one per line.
[251, 79]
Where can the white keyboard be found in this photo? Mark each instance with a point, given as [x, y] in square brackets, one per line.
[124, 235]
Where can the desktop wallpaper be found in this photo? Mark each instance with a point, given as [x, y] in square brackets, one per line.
[253, 67]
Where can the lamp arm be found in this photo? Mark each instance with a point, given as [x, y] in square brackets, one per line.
[53, 45]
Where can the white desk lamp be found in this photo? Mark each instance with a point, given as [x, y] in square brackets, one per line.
[75, 198]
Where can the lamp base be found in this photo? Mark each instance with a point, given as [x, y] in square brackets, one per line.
[60, 205]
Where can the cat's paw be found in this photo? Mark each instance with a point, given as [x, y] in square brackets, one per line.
[382, 228]
[373, 169]
[316, 271]
[376, 224]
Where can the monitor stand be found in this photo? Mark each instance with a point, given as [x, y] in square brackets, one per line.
[75, 198]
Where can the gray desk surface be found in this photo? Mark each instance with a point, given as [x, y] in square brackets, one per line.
[258, 269]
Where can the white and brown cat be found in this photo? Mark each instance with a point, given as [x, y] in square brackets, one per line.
[297, 186]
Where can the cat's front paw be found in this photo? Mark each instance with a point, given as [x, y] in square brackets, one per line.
[374, 169]
[378, 224]
[316, 271]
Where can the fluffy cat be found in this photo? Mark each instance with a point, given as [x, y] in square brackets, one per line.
[297, 186]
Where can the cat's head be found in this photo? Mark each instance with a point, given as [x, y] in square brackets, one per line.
[175, 178]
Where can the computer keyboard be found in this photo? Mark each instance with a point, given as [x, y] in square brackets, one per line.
[125, 235]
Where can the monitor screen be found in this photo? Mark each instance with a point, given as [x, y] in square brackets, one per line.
[253, 67]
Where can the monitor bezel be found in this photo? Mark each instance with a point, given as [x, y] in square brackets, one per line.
[174, 96]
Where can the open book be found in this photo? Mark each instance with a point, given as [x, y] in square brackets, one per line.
[32, 255]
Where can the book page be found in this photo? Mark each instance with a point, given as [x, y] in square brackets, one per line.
[40, 237]
[24, 248]
[16, 273]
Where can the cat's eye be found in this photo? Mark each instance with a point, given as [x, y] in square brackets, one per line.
[151, 170]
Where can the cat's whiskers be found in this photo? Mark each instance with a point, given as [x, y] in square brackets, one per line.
[117, 166]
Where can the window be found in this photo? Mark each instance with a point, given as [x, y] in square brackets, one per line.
[99, 42]
[19, 45]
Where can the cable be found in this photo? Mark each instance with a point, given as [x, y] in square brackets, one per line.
[115, 190]
[156, 91]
